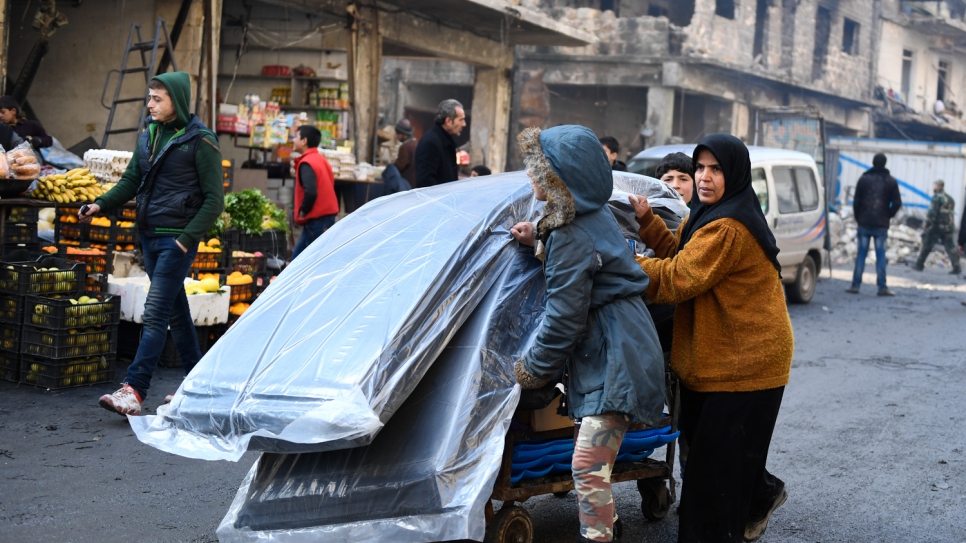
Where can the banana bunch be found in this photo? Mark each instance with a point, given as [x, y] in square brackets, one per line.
[77, 185]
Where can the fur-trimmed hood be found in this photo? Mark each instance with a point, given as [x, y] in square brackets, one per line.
[569, 164]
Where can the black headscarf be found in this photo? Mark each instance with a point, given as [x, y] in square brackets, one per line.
[739, 201]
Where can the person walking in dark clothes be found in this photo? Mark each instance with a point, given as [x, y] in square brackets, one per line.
[732, 347]
[876, 201]
[315, 197]
[30, 130]
[436, 152]
[175, 174]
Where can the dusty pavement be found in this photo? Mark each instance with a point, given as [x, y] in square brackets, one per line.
[871, 440]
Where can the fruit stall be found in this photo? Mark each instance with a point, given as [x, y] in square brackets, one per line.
[70, 306]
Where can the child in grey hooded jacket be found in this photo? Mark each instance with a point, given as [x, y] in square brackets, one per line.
[596, 324]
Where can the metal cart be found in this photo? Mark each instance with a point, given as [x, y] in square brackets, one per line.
[512, 523]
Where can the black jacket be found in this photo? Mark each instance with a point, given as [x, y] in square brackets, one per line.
[436, 158]
[876, 199]
[9, 138]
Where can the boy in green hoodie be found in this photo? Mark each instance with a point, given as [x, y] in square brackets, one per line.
[175, 175]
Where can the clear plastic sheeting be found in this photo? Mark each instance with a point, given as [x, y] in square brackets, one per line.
[329, 352]
[428, 474]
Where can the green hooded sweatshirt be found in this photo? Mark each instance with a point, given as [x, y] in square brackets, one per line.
[207, 163]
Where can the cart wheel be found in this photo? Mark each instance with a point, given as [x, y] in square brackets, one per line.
[655, 498]
[511, 524]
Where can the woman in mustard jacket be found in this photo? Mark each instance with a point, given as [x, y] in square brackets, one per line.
[732, 346]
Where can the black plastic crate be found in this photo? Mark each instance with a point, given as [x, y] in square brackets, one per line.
[247, 264]
[128, 339]
[20, 234]
[207, 336]
[69, 343]
[207, 261]
[269, 242]
[114, 233]
[11, 308]
[21, 252]
[10, 336]
[26, 277]
[66, 372]
[22, 214]
[94, 263]
[242, 293]
[9, 366]
[61, 313]
[67, 225]
[127, 213]
[96, 282]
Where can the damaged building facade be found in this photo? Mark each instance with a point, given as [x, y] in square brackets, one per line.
[668, 71]
[922, 67]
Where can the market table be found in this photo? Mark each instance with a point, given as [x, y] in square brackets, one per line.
[367, 182]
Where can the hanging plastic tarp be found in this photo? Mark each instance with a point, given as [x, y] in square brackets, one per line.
[428, 474]
[329, 352]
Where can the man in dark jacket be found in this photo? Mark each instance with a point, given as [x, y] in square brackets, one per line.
[175, 174]
[436, 151]
[876, 201]
[940, 223]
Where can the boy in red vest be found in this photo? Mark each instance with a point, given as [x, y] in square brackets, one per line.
[315, 201]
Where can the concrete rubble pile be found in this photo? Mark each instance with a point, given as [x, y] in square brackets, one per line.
[905, 240]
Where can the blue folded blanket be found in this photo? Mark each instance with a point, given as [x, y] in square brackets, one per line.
[539, 458]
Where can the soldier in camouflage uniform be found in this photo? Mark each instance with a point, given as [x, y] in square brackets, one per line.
[939, 228]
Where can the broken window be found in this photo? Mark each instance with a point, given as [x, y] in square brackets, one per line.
[725, 8]
[761, 18]
[823, 29]
[678, 12]
[610, 5]
[789, 9]
[906, 76]
[850, 37]
[943, 78]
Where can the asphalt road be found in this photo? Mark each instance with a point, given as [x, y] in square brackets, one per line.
[871, 441]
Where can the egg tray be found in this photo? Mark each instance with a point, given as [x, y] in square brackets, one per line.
[24, 278]
[67, 372]
[61, 314]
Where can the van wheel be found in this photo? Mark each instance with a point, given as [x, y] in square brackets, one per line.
[802, 290]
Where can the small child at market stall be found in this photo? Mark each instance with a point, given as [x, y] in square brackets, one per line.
[596, 325]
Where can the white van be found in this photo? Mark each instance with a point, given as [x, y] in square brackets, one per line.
[793, 199]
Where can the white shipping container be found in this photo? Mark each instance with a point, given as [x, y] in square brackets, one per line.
[914, 164]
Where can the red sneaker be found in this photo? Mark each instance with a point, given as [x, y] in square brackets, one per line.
[124, 401]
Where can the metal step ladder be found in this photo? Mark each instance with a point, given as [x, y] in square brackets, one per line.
[149, 58]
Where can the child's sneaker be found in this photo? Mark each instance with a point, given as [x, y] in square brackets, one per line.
[125, 401]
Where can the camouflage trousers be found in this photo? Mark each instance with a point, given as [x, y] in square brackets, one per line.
[595, 452]
[929, 240]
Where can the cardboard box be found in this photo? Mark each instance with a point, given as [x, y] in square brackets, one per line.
[547, 418]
